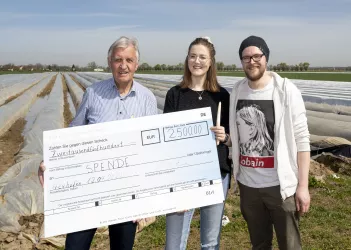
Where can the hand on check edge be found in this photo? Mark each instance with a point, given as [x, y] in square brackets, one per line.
[219, 133]
[41, 170]
[146, 219]
[182, 211]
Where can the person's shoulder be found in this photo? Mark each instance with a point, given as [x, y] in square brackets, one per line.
[142, 90]
[223, 91]
[239, 84]
[175, 89]
[290, 86]
[100, 86]
[283, 81]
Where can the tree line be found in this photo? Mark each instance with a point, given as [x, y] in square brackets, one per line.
[222, 67]
[180, 66]
[91, 66]
[285, 67]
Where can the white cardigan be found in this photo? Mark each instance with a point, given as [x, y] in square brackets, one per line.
[290, 130]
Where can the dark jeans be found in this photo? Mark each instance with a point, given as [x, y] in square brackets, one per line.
[264, 208]
[121, 237]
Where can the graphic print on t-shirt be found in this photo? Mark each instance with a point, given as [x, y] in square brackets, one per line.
[255, 121]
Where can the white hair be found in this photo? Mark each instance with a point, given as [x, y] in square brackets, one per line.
[124, 42]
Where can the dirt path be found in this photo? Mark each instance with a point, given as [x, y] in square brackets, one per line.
[11, 98]
[67, 115]
[12, 140]
[78, 83]
[27, 239]
[47, 90]
[10, 144]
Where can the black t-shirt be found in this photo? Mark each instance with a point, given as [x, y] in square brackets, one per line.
[180, 99]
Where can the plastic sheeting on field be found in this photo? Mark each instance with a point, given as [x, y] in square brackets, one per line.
[160, 93]
[20, 189]
[16, 109]
[75, 91]
[328, 141]
[329, 116]
[14, 88]
[324, 144]
[171, 79]
[72, 108]
[51, 117]
[99, 75]
[325, 99]
[160, 102]
[33, 112]
[156, 83]
[328, 92]
[12, 79]
[333, 93]
[341, 110]
[20, 195]
[89, 78]
[155, 87]
[321, 126]
[85, 83]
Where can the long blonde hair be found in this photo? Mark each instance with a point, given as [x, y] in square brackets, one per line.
[259, 137]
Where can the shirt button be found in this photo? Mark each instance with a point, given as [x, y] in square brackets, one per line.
[120, 112]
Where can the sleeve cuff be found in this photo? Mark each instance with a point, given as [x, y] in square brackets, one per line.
[303, 147]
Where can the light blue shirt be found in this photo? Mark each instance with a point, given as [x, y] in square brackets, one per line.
[102, 102]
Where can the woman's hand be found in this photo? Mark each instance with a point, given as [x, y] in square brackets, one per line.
[219, 133]
[221, 136]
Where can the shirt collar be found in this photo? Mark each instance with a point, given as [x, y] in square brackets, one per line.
[114, 87]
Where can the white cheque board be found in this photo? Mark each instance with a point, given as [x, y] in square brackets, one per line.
[112, 172]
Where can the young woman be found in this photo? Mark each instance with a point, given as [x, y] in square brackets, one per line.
[198, 89]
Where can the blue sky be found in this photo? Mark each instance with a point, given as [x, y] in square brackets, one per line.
[77, 32]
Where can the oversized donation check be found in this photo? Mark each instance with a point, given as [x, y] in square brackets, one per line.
[112, 172]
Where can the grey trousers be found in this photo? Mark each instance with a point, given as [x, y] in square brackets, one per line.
[264, 208]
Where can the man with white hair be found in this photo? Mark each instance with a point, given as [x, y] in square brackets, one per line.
[117, 98]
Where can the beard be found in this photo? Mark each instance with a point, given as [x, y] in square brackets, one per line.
[256, 74]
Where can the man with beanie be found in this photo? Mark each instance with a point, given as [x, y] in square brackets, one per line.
[271, 150]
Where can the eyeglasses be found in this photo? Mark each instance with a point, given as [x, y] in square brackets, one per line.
[193, 58]
[255, 58]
